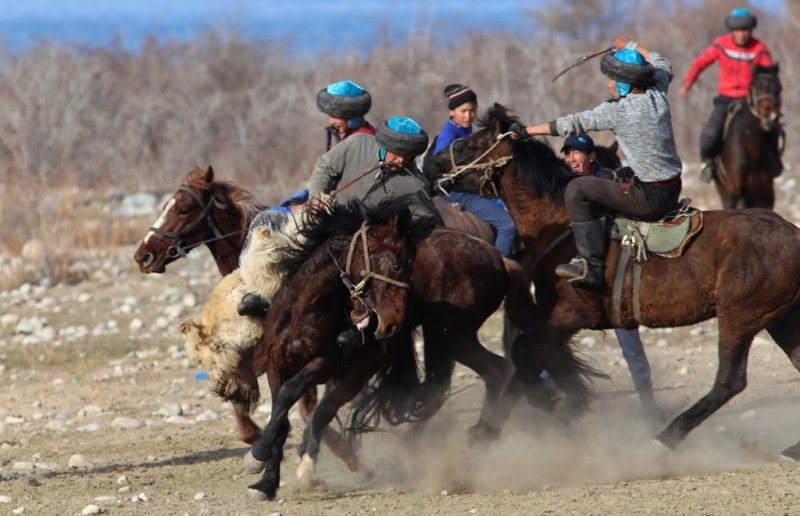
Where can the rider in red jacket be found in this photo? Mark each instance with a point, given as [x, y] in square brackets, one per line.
[737, 52]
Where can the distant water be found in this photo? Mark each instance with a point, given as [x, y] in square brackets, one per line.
[304, 26]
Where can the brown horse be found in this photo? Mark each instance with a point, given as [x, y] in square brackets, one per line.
[750, 157]
[204, 211]
[743, 268]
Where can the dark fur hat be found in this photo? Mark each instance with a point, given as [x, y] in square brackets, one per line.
[344, 99]
[633, 74]
[403, 136]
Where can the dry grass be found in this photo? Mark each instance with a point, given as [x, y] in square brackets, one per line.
[108, 120]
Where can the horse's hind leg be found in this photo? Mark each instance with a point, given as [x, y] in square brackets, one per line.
[786, 334]
[493, 370]
[731, 380]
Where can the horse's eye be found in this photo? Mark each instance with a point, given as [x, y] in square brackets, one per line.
[183, 211]
[398, 267]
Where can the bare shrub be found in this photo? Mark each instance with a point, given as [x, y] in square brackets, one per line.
[112, 120]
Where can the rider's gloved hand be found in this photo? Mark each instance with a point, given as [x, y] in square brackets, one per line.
[519, 130]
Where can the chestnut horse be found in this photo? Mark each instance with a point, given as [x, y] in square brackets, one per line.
[743, 268]
[204, 211]
[750, 157]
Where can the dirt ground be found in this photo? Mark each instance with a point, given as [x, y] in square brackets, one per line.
[101, 411]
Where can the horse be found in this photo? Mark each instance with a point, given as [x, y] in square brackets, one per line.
[743, 268]
[456, 283]
[750, 155]
[217, 214]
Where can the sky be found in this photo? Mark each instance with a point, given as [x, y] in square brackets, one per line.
[305, 25]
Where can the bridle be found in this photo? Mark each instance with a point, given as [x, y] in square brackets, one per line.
[177, 249]
[488, 167]
[754, 98]
[357, 290]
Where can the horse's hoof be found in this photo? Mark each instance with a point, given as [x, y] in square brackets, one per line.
[251, 464]
[307, 478]
[792, 452]
[254, 495]
[657, 448]
[481, 433]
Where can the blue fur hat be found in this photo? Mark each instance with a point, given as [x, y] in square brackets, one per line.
[403, 136]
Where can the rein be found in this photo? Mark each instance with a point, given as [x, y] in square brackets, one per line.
[178, 250]
[458, 170]
[357, 290]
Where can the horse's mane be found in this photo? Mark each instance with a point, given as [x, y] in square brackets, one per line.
[239, 197]
[771, 69]
[537, 163]
[337, 223]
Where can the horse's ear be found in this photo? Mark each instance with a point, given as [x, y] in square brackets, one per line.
[400, 222]
[777, 68]
[614, 147]
[209, 175]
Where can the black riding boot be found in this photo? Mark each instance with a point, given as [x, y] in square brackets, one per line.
[252, 304]
[586, 269]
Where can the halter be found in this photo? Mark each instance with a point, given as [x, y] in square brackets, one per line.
[357, 290]
[487, 168]
[177, 250]
[754, 99]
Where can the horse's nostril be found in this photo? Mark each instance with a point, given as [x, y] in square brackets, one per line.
[146, 260]
[391, 330]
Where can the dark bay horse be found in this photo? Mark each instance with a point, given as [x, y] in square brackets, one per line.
[750, 157]
[457, 282]
[743, 268]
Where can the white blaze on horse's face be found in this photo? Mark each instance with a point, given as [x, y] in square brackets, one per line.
[161, 219]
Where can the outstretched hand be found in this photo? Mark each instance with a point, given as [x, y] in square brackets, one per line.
[518, 130]
[620, 41]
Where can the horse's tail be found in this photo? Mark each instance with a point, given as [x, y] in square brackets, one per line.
[534, 349]
[396, 395]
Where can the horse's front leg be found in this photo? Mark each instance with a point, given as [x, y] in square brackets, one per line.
[347, 388]
[336, 441]
[267, 453]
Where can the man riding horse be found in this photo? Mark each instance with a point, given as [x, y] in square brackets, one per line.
[737, 52]
[639, 115]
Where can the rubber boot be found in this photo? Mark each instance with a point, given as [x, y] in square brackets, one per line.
[586, 270]
[252, 304]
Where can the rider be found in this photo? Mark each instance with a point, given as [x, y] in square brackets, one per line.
[463, 105]
[579, 155]
[371, 168]
[639, 115]
[736, 52]
[346, 103]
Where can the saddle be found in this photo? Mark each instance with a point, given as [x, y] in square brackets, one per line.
[668, 237]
